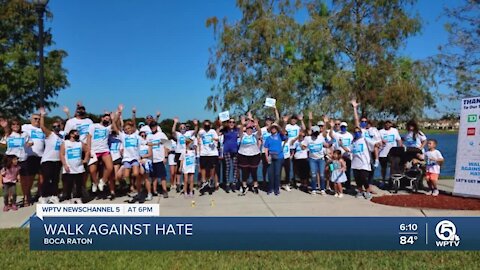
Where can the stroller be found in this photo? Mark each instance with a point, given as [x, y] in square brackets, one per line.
[406, 167]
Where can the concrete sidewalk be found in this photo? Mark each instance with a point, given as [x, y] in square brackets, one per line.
[294, 203]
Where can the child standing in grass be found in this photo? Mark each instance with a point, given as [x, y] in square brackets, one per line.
[9, 175]
[338, 166]
[434, 160]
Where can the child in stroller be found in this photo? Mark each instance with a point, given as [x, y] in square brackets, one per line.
[406, 166]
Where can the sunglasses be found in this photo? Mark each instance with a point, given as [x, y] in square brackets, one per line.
[15, 124]
[337, 124]
[231, 122]
[36, 119]
[363, 121]
[55, 126]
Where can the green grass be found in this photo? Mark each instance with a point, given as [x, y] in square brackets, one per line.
[16, 255]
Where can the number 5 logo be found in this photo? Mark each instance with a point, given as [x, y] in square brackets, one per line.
[446, 231]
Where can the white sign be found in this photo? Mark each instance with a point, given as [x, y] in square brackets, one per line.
[224, 116]
[97, 210]
[467, 168]
[270, 102]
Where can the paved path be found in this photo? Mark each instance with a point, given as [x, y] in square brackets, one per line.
[294, 203]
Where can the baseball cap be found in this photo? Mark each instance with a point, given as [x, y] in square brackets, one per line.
[268, 118]
[315, 129]
[320, 123]
[153, 124]
[141, 124]
[344, 124]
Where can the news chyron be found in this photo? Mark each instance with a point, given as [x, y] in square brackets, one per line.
[140, 227]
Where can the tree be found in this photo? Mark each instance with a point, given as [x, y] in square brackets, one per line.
[367, 35]
[267, 53]
[18, 60]
[459, 58]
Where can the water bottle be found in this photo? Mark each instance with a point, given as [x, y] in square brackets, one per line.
[332, 167]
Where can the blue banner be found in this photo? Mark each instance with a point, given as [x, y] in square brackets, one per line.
[255, 233]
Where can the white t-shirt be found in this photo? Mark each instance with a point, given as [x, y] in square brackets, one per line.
[81, 125]
[188, 158]
[143, 149]
[16, 144]
[37, 137]
[286, 150]
[410, 142]
[52, 148]
[433, 166]
[346, 138]
[372, 134]
[181, 138]
[299, 152]
[131, 146]
[99, 135]
[361, 157]
[158, 148]
[73, 157]
[292, 131]
[315, 147]
[249, 145]
[115, 146]
[208, 142]
[390, 136]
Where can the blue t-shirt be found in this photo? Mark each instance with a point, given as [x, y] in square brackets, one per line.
[274, 143]
[230, 140]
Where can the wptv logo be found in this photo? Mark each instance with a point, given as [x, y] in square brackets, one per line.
[446, 231]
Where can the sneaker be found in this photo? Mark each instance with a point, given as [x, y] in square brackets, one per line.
[367, 195]
[111, 197]
[165, 195]
[6, 208]
[54, 200]
[313, 192]
[178, 188]
[359, 195]
[94, 187]
[287, 188]
[101, 185]
[173, 187]
[244, 191]
[132, 194]
[42, 200]
[233, 187]
[154, 194]
[277, 193]
[340, 195]
[77, 201]
[336, 195]
[255, 190]
[322, 192]
[227, 189]
[190, 194]
[204, 185]
[149, 197]
[14, 207]
[429, 193]
[435, 192]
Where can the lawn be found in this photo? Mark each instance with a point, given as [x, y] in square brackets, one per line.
[16, 255]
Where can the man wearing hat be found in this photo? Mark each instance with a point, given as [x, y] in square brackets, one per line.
[343, 142]
[157, 139]
[148, 119]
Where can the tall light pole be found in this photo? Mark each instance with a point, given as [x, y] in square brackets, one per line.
[40, 6]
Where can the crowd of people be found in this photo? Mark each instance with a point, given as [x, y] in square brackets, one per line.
[121, 156]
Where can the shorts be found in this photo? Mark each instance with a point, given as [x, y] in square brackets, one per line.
[208, 162]
[31, 166]
[117, 161]
[432, 176]
[248, 161]
[103, 154]
[158, 171]
[302, 168]
[130, 164]
[171, 160]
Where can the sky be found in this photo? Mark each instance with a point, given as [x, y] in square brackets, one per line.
[152, 54]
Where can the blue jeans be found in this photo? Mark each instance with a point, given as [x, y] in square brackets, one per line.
[317, 167]
[274, 171]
